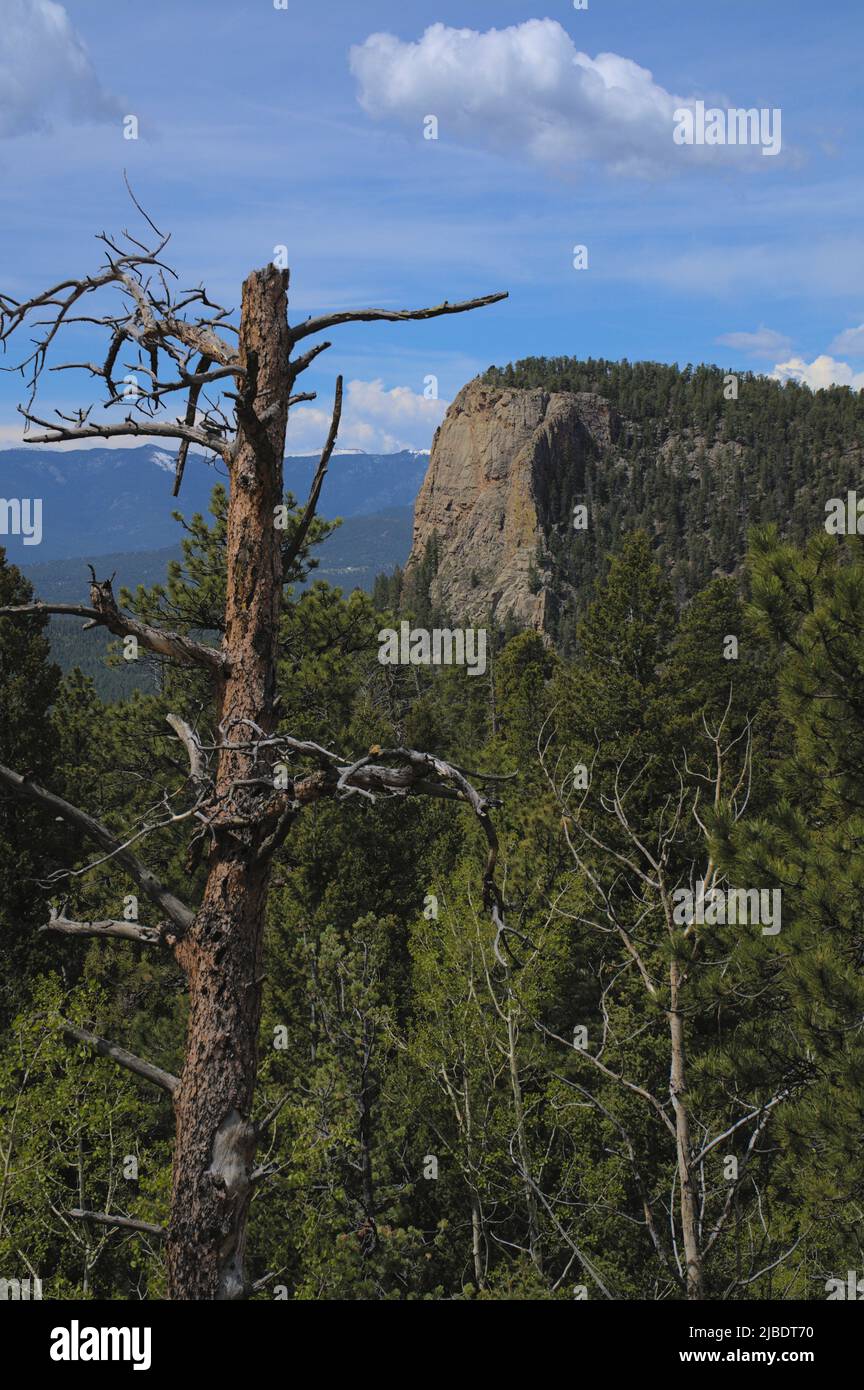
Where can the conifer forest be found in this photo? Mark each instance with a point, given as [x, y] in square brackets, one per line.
[474, 912]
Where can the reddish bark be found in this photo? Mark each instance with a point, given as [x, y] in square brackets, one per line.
[222, 951]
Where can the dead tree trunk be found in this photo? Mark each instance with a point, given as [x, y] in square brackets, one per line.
[240, 805]
[365, 1103]
[678, 1090]
[222, 952]
[522, 1141]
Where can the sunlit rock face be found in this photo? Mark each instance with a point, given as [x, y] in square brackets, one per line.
[504, 468]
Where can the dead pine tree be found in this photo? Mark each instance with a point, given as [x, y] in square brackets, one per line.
[237, 384]
[632, 872]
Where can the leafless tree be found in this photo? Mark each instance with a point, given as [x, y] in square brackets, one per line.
[183, 345]
[629, 878]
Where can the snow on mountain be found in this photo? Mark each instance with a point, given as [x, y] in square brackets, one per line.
[97, 501]
[162, 460]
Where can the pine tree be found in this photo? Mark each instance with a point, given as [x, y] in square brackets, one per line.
[28, 684]
[810, 604]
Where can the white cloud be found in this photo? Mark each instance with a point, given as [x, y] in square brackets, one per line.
[373, 419]
[821, 372]
[851, 340]
[528, 90]
[45, 71]
[765, 342]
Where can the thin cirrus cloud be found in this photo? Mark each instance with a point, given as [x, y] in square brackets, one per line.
[527, 90]
[373, 419]
[824, 265]
[851, 340]
[765, 342]
[46, 75]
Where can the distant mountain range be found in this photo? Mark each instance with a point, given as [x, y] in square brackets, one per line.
[99, 502]
[362, 547]
[113, 507]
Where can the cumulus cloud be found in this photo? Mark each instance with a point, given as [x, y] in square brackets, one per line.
[765, 342]
[851, 340]
[527, 90]
[45, 71]
[821, 372]
[373, 419]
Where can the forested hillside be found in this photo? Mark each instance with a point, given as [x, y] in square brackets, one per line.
[460, 1113]
[697, 466]
[694, 456]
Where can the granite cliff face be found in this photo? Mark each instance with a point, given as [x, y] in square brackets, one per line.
[502, 463]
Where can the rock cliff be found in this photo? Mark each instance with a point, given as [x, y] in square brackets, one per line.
[505, 467]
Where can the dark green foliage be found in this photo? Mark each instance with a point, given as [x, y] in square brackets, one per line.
[810, 605]
[400, 1044]
[691, 467]
[28, 683]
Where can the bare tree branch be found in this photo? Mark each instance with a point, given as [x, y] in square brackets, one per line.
[296, 545]
[325, 321]
[301, 363]
[264, 1124]
[174, 645]
[151, 319]
[190, 741]
[129, 931]
[22, 787]
[754, 1115]
[122, 1223]
[130, 428]
[124, 1059]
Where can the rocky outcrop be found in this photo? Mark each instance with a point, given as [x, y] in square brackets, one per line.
[503, 462]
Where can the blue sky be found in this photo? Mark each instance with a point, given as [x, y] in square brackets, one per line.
[260, 127]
